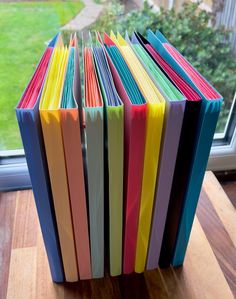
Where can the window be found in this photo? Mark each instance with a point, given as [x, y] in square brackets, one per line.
[223, 152]
[25, 29]
[21, 46]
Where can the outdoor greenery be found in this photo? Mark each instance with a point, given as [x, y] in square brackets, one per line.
[25, 28]
[207, 48]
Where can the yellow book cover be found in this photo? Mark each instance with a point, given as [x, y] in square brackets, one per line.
[51, 126]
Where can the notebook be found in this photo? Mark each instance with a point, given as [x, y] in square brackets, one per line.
[31, 133]
[186, 187]
[50, 116]
[174, 113]
[94, 143]
[155, 118]
[134, 144]
[114, 136]
[71, 122]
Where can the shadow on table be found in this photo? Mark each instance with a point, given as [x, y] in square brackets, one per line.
[160, 283]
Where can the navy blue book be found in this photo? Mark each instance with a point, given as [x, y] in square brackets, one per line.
[27, 112]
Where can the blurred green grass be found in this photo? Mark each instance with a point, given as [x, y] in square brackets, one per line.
[24, 29]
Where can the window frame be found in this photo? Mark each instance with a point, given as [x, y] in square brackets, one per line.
[223, 150]
[14, 174]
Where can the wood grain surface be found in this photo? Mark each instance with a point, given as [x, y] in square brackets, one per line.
[209, 269]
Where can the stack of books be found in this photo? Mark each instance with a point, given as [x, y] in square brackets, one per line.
[116, 144]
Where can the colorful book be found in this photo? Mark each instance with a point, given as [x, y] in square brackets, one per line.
[134, 143]
[155, 118]
[94, 143]
[71, 122]
[114, 136]
[174, 113]
[27, 112]
[49, 108]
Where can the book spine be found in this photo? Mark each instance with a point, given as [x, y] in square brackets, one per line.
[31, 134]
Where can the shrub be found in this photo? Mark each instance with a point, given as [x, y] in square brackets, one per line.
[206, 47]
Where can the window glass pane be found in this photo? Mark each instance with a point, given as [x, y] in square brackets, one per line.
[205, 34]
[25, 28]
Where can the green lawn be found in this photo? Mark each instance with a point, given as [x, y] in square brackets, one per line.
[24, 29]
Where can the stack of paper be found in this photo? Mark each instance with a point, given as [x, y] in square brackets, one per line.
[117, 162]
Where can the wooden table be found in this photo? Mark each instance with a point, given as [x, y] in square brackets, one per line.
[209, 270]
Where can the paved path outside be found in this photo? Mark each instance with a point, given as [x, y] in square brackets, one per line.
[87, 16]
